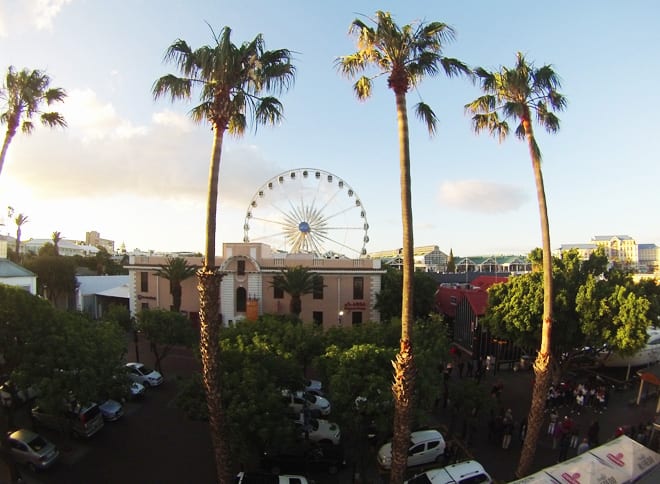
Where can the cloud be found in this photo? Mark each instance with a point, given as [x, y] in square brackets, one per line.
[44, 11]
[482, 196]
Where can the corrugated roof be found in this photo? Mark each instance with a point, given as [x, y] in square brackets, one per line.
[119, 291]
[10, 269]
[98, 284]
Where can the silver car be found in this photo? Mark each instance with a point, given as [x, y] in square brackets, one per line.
[30, 448]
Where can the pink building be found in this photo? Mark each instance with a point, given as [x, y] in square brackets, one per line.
[347, 297]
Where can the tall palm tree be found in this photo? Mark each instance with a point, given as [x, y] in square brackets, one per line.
[56, 237]
[233, 82]
[20, 220]
[176, 271]
[405, 55]
[22, 95]
[296, 282]
[522, 93]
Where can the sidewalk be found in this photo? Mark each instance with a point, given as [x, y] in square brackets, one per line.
[516, 395]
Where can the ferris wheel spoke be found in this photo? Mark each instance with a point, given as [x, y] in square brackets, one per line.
[337, 242]
[268, 221]
[264, 238]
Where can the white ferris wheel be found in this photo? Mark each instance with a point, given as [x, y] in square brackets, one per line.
[307, 210]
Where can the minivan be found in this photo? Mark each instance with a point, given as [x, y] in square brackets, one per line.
[80, 420]
[426, 447]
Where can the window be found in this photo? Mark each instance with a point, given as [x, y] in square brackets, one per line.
[317, 317]
[144, 281]
[145, 306]
[416, 449]
[278, 293]
[240, 267]
[358, 288]
[356, 317]
[241, 300]
[318, 287]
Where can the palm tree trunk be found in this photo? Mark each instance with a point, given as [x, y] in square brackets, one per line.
[11, 131]
[404, 366]
[209, 316]
[543, 363]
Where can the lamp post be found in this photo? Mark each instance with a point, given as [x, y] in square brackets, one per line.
[340, 315]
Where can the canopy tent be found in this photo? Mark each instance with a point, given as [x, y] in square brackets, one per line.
[619, 461]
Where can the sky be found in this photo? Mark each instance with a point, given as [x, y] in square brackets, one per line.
[135, 169]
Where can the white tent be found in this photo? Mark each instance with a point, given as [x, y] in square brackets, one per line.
[619, 461]
[628, 455]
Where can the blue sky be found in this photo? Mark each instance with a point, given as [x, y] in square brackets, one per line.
[135, 169]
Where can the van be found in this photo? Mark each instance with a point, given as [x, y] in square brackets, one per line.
[426, 447]
[467, 472]
[80, 420]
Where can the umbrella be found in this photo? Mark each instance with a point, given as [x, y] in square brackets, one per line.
[627, 455]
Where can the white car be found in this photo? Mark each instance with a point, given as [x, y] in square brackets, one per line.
[298, 401]
[263, 478]
[467, 472]
[321, 431]
[111, 410]
[648, 355]
[136, 389]
[144, 375]
[313, 386]
[426, 447]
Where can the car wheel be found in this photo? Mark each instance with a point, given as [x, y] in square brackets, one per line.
[145, 384]
[440, 459]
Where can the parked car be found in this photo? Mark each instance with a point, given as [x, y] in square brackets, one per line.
[144, 375]
[264, 478]
[136, 390]
[467, 472]
[314, 387]
[80, 420]
[304, 457]
[30, 448]
[321, 431]
[298, 401]
[648, 355]
[11, 395]
[111, 410]
[426, 447]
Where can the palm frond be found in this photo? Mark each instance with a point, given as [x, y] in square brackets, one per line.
[520, 131]
[237, 124]
[491, 122]
[362, 88]
[424, 113]
[268, 111]
[181, 54]
[454, 67]
[350, 65]
[27, 127]
[203, 112]
[54, 94]
[176, 87]
[53, 119]
[482, 105]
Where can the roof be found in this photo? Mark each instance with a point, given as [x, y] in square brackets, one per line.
[577, 246]
[610, 237]
[11, 269]
[119, 291]
[99, 284]
[423, 435]
[647, 246]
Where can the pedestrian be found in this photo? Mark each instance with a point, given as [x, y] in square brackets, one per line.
[592, 434]
[583, 447]
[564, 445]
[507, 428]
[554, 416]
[523, 430]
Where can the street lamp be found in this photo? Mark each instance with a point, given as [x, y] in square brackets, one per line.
[340, 315]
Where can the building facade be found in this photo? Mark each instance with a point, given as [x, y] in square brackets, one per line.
[346, 296]
[428, 258]
[94, 239]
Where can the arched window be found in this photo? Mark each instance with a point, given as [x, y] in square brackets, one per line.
[241, 300]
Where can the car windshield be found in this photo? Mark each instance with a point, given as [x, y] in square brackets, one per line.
[145, 370]
[37, 443]
[310, 398]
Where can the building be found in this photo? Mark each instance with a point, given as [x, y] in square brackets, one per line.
[621, 249]
[65, 247]
[510, 264]
[95, 294]
[584, 250]
[428, 258]
[347, 296]
[649, 258]
[94, 239]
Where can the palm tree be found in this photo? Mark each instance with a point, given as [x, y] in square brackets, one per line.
[233, 82]
[20, 220]
[405, 55]
[56, 237]
[176, 271]
[23, 93]
[296, 282]
[520, 94]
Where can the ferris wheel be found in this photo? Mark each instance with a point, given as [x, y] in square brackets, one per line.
[307, 210]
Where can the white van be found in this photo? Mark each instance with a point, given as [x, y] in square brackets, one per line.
[468, 472]
[426, 447]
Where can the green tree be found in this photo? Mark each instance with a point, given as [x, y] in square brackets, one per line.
[296, 282]
[518, 94]
[234, 83]
[405, 55]
[451, 262]
[119, 314]
[20, 220]
[56, 278]
[176, 271]
[165, 330]
[56, 237]
[22, 95]
[388, 300]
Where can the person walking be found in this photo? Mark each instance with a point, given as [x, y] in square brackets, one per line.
[507, 429]
[592, 434]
